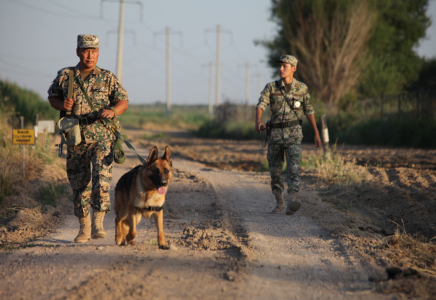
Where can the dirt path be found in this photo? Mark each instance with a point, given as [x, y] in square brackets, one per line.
[225, 245]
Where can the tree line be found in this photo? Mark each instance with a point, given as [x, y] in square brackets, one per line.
[353, 48]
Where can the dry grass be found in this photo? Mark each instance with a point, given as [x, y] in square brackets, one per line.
[417, 259]
[336, 171]
[412, 251]
[11, 163]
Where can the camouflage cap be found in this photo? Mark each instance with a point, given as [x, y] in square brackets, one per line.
[87, 41]
[288, 59]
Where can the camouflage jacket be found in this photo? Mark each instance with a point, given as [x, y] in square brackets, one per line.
[104, 91]
[282, 112]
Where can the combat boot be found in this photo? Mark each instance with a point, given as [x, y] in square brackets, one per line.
[280, 207]
[97, 225]
[85, 230]
[293, 204]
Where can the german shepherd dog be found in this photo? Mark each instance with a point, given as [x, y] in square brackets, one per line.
[141, 192]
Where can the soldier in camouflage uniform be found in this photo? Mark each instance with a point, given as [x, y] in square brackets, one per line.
[289, 99]
[89, 164]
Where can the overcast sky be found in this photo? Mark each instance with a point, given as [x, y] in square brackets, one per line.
[38, 37]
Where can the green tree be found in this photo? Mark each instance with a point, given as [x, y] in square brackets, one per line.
[350, 45]
[393, 62]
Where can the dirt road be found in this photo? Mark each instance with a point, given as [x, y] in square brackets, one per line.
[225, 245]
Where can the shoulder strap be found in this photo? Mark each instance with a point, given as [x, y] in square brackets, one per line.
[287, 101]
[70, 87]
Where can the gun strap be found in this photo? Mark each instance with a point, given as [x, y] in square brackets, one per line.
[70, 84]
[70, 88]
[286, 99]
[110, 123]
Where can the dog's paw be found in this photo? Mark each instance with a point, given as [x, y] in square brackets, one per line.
[164, 247]
[132, 242]
[121, 242]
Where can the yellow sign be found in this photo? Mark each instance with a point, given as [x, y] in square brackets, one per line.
[23, 136]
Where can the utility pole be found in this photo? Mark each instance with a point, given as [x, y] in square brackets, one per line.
[218, 61]
[218, 65]
[120, 43]
[119, 70]
[210, 88]
[259, 83]
[168, 66]
[247, 82]
[210, 65]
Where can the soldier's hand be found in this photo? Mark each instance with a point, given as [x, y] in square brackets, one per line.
[258, 126]
[68, 104]
[317, 140]
[106, 113]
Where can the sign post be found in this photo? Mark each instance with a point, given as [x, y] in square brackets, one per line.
[23, 137]
[46, 127]
[325, 137]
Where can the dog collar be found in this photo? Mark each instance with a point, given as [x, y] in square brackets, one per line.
[153, 208]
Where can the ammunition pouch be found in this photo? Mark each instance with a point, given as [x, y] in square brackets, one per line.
[119, 155]
[70, 131]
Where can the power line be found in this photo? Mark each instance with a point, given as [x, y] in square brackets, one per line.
[24, 69]
[44, 11]
[7, 56]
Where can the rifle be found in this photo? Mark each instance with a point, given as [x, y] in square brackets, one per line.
[62, 114]
[268, 131]
[66, 113]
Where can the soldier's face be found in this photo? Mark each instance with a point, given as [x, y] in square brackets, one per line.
[286, 70]
[88, 57]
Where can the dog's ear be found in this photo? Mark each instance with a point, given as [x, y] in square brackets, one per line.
[167, 156]
[152, 157]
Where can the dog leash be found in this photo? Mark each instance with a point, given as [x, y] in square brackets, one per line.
[110, 123]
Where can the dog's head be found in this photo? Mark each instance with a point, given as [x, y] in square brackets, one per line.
[159, 171]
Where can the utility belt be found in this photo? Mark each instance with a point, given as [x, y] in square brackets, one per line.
[286, 124]
[88, 121]
[70, 128]
[269, 126]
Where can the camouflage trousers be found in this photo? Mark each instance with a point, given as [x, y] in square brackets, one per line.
[275, 156]
[89, 170]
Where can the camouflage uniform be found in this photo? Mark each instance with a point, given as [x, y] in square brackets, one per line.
[91, 185]
[285, 140]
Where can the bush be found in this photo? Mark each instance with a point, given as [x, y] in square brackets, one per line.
[48, 195]
[396, 132]
[229, 130]
[23, 102]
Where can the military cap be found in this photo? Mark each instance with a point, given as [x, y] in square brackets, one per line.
[87, 41]
[288, 59]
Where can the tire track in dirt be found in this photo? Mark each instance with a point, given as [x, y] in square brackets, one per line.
[287, 255]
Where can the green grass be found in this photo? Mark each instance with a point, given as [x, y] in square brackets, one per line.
[24, 102]
[155, 136]
[155, 115]
[48, 194]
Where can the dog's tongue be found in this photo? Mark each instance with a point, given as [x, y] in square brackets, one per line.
[162, 190]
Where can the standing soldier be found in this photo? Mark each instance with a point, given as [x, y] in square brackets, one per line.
[289, 99]
[89, 164]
